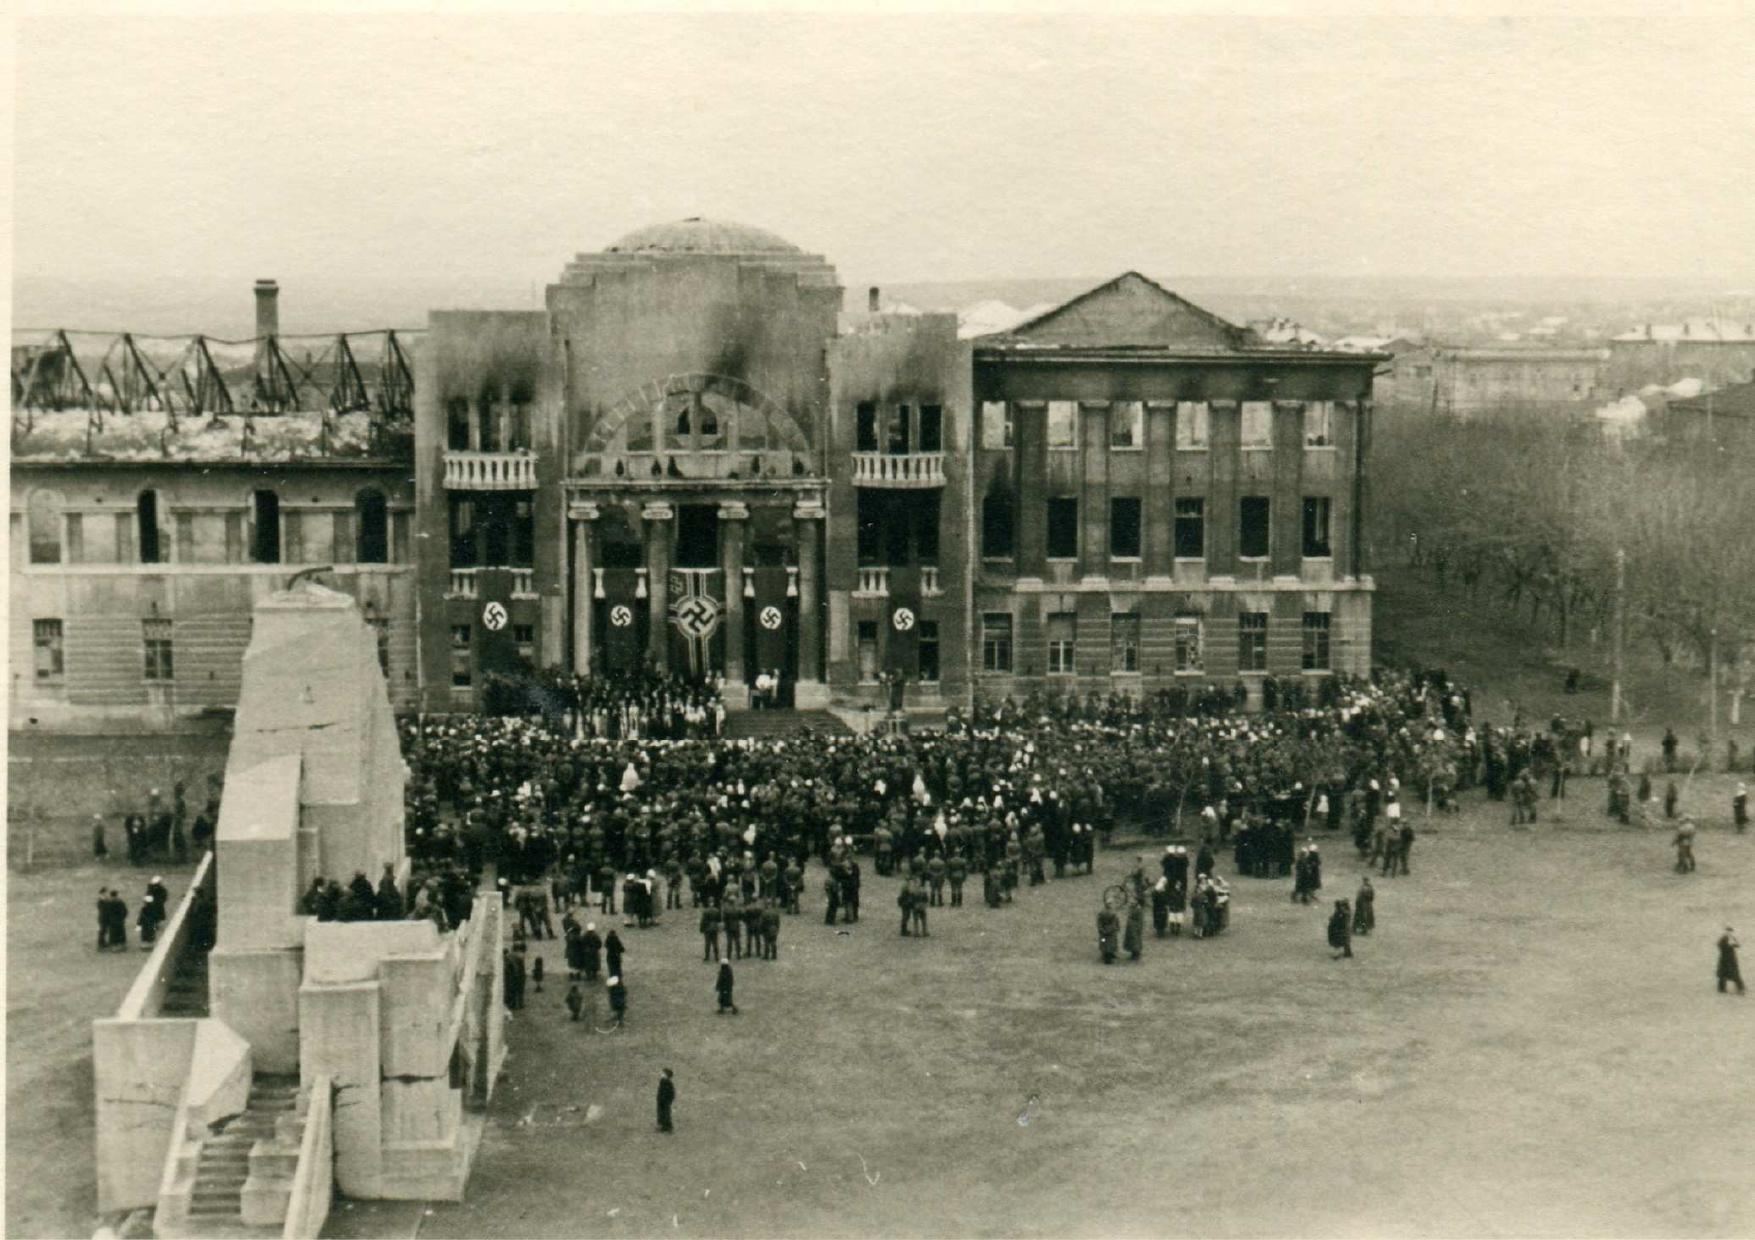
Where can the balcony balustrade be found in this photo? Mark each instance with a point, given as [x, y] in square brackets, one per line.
[907, 470]
[490, 471]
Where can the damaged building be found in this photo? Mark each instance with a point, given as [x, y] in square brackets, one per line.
[693, 458]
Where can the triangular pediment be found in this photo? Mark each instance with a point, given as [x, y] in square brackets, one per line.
[1131, 312]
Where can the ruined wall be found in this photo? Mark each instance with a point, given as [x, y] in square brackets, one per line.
[205, 584]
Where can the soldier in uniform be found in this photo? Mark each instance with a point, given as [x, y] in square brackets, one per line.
[1108, 928]
[770, 929]
[710, 922]
[935, 878]
[957, 869]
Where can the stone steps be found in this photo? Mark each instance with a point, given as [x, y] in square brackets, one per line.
[246, 1168]
[745, 724]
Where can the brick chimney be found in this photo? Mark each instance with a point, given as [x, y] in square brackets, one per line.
[267, 308]
[871, 299]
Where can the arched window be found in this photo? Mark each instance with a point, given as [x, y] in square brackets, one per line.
[44, 515]
[146, 531]
[265, 527]
[371, 527]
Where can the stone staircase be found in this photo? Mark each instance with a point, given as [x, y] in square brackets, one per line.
[742, 724]
[186, 992]
[244, 1173]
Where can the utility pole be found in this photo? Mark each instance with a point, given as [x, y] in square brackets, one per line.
[1712, 689]
[1620, 634]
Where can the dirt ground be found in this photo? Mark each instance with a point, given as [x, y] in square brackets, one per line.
[56, 984]
[1531, 1044]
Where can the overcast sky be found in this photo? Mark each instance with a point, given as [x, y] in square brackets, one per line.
[903, 149]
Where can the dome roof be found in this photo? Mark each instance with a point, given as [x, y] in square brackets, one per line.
[702, 236]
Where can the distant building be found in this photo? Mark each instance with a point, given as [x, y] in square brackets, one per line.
[1724, 418]
[1469, 381]
[1715, 351]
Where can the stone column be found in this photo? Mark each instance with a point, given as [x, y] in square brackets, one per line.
[584, 517]
[732, 518]
[657, 530]
[810, 693]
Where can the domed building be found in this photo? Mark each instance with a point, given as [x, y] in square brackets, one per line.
[692, 460]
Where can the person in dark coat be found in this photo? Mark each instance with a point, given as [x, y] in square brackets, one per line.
[514, 982]
[666, 1100]
[151, 915]
[613, 952]
[1340, 930]
[1203, 861]
[575, 1000]
[618, 998]
[1729, 974]
[1671, 796]
[723, 986]
[1108, 927]
[1133, 938]
[1365, 908]
[590, 949]
[388, 897]
[710, 919]
[1740, 808]
[99, 848]
[1160, 906]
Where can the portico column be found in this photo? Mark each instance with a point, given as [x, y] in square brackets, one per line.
[584, 517]
[810, 692]
[656, 528]
[732, 517]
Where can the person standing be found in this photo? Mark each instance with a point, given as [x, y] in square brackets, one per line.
[1107, 927]
[710, 919]
[1671, 796]
[613, 952]
[1685, 847]
[103, 919]
[1728, 971]
[1340, 930]
[590, 949]
[575, 999]
[618, 998]
[100, 849]
[1365, 908]
[1740, 807]
[151, 914]
[724, 987]
[666, 1100]
[1133, 938]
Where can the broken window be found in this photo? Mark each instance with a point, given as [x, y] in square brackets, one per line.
[1319, 430]
[44, 515]
[865, 427]
[457, 424]
[1258, 424]
[146, 527]
[460, 668]
[1253, 530]
[1316, 527]
[1191, 529]
[1063, 424]
[932, 428]
[1191, 424]
[996, 425]
[898, 431]
[928, 651]
[371, 527]
[265, 532]
[1063, 528]
[996, 524]
[1124, 527]
[1127, 424]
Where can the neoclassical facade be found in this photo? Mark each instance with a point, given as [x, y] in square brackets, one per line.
[693, 458]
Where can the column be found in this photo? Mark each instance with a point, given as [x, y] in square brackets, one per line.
[1030, 522]
[810, 693]
[657, 530]
[584, 517]
[732, 517]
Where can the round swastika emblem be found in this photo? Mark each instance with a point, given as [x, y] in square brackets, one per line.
[770, 617]
[494, 616]
[903, 619]
[621, 615]
[697, 615]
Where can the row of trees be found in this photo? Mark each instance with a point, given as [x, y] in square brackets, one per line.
[1533, 510]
